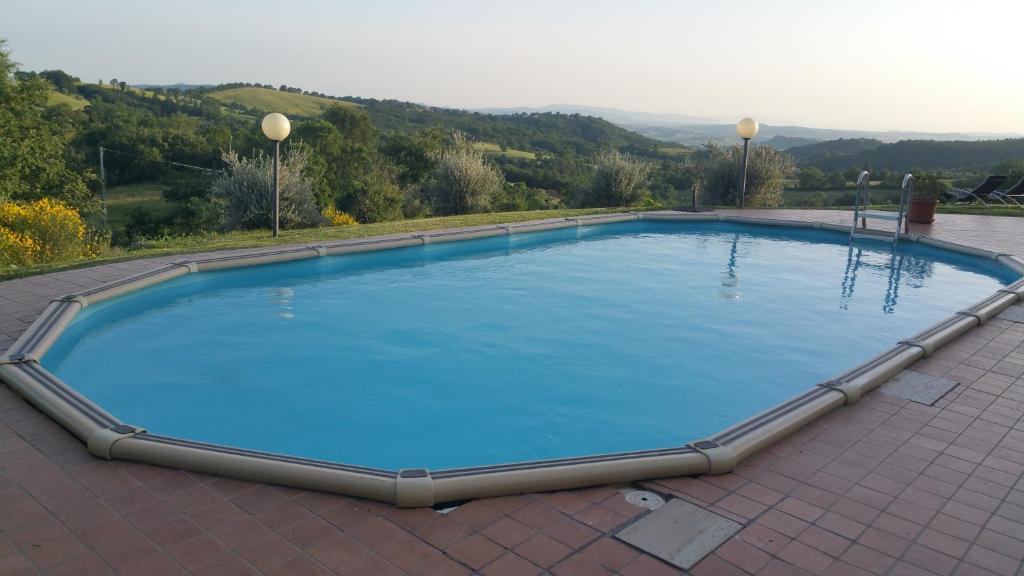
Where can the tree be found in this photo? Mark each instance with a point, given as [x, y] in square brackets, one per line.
[463, 180]
[1013, 169]
[811, 178]
[619, 180]
[836, 181]
[344, 143]
[34, 158]
[414, 155]
[61, 80]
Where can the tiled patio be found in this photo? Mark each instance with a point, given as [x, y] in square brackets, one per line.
[886, 486]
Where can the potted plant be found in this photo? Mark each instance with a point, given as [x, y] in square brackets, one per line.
[928, 189]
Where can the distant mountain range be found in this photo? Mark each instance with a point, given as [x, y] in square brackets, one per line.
[843, 154]
[695, 131]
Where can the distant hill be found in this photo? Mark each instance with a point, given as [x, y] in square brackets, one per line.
[268, 99]
[786, 142]
[832, 150]
[907, 154]
[536, 132]
[613, 115]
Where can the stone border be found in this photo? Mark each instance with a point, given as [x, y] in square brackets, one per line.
[107, 437]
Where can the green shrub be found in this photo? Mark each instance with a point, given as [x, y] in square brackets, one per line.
[464, 181]
[518, 197]
[619, 180]
[378, 196]
[929, 185]
[767, 170]
[244, 195]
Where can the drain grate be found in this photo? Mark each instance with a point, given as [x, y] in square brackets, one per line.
[645, 499]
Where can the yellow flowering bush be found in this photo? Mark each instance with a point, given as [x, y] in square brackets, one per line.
[16, 249]
[46, 230]
[336, 217]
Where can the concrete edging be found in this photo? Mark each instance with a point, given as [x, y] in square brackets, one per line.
[107, 437]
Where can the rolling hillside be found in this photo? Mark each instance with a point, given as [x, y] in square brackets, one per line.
[513, 136]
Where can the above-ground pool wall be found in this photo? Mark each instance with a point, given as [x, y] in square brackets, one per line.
[107, 437]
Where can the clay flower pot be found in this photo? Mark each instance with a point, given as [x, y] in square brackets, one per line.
[922, 210]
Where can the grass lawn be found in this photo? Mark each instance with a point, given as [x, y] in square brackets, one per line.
[269, 100]
[257, 238]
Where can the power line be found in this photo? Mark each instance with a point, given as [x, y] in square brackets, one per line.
[180, 164]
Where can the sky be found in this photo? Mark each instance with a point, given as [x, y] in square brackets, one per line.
[928, 65]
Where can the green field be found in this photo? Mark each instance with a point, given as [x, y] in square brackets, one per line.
[55, 98]
[492, 149]
[270, 100]
[675, 151]
[123, 200]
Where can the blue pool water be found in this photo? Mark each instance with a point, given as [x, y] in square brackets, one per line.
[563, 343]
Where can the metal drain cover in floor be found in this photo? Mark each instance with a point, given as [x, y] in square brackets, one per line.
[921, 388]
[679, 533]
[644, 499]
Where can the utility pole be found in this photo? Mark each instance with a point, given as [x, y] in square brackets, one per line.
[103, 186]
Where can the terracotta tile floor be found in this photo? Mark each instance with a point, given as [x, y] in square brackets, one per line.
[886, 486]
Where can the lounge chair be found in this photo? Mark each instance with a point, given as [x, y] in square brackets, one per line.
[1014, 193]
[981, 192]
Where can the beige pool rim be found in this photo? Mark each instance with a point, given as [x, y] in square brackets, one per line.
[107, 437]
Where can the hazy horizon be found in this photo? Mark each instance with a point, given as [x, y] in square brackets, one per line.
[823, 65]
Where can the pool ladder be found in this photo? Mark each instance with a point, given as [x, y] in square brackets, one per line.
[861, 212]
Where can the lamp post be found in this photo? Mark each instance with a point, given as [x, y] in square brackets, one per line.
[276, 127]
[746, 129]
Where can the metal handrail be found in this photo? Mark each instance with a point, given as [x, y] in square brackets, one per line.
[906, 193]
[863, 181]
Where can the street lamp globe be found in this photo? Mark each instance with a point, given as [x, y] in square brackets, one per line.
[276, 126]
[746, 128]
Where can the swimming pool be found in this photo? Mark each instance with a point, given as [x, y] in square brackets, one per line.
[547, 346]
